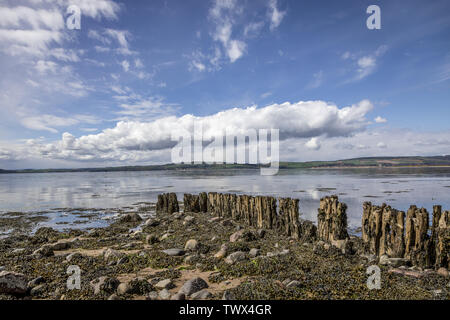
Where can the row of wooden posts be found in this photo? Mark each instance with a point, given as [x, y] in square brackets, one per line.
[385, 231]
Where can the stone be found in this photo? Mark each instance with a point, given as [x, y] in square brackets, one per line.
[201, 295]
[237, 235]
[254, 252]
[191, 245]
[104, 284]
[222, 252]
[13, 283]
[227, 295]
[164, 294]
[165, 284]
[130, 217]
[112, 254]
[261, 233]
[236, 257]
[58, 246]
[178, 296]
[73, 256]
[36, 281]
[114, 297]
[193, 285]
[152, 222]
[123, 260]
[294, 284]
[153, 295]
[191, 259]
[123, 288]
[38, 290]
[44, 251]
[442, 272]
[394, 262]
[174, 252]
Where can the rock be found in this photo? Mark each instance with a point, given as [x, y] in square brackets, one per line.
[254, 252]
[152, 222]
[236, 257]
[104, 284]
[202, 294]
[38, 290]
[151, 239]
[394, 262]
[18, 251]
[191, 259]
[294, 284]
[242, 235]
[442, 272]
[438, 294]
[44, 251]
[12, 283]
[36, 281]
[164, 236]
[113, 297]
[123, 288]
[193, 285]
[123, 260]
[74, 256]
[112, 254]
[191, 244]
[178, 296]
[189, 219]
[135, 286]
[227, 295]
[280, 253]
[409, 273]
[165, 284]
[59, 246]
[130, 217]
[164, 294]
[371, 258]
[261, 233]
[222, 252]
[174, 252]
[153, 295]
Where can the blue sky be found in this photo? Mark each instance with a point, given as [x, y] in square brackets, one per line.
[135, 68]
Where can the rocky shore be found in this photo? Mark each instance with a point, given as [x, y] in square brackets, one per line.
[198, 254]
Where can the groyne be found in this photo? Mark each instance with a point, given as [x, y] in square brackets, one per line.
[385, 230]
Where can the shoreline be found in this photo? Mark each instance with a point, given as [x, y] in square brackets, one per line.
[154, 259]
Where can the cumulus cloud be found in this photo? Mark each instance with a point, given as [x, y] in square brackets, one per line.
[132, 139]
[380, 120]
[313, 144]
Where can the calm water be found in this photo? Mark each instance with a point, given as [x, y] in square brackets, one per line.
[398, 187]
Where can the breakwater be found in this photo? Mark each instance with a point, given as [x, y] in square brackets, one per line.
[385, 230]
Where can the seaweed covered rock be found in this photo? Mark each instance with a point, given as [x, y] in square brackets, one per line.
[12, 283]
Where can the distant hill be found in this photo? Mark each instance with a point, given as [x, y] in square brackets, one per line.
[370, 162]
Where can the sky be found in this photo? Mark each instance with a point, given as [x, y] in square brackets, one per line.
[111, 92]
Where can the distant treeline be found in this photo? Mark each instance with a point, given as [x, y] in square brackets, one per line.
[374, 162]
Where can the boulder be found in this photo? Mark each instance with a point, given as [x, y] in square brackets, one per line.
[164, 294]
[165, 284]
[130, 217]
[104, 284]
[236, 257]
[191, 245]
[12, 283]
[201, 295]
[193, 285]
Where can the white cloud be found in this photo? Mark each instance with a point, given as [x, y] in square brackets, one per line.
[380, 120]
[276, 16]
[313, 144]
[308, 119]
[367, 64]
[381, 145]
[125, 65]
[47, 122]
[316, 81]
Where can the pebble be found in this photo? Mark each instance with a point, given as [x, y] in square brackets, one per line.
[174, 252]
[193, 285]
